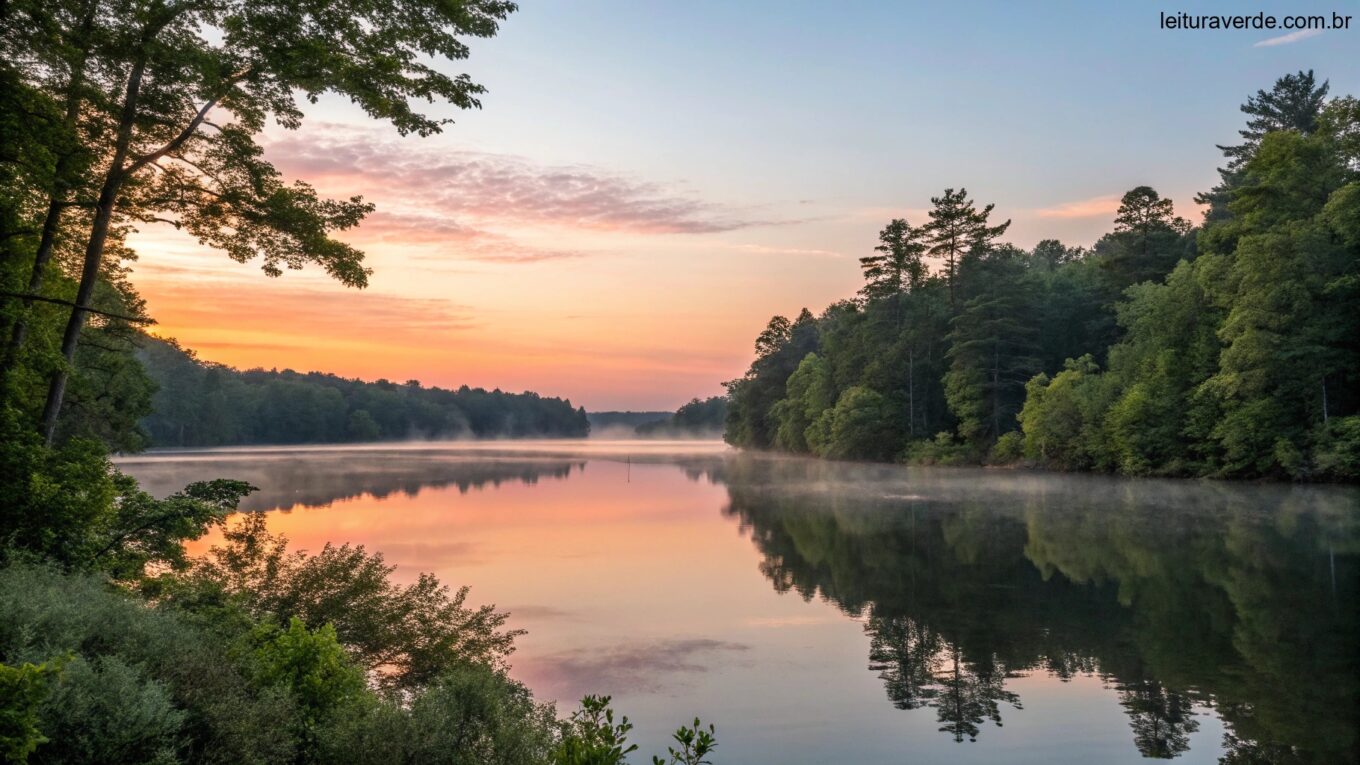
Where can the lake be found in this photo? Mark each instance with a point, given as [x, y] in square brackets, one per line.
[822, 612]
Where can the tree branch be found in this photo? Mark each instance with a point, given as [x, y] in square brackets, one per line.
[189, 129]
[70, 304]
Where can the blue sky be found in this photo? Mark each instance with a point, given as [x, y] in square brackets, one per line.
[649, 182]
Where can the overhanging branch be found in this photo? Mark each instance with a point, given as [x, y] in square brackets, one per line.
[70, 304]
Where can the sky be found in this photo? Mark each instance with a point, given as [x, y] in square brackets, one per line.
[648, 183]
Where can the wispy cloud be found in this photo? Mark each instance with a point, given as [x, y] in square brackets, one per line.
[462, 197]
[465, 242]
[1292, 37]
[639, 667]
[1083, 208]
[763, 249]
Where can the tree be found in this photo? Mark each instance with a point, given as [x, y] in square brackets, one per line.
[312, 667]
[173, 81]
[779, 350]
[861, 426]
[808, 395]
[1147, 241]
[956, 228]
[898, 267]
[993, 348]
[1291, 327]
[1294, 103]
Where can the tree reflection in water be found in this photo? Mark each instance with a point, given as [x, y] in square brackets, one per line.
[1177, 594]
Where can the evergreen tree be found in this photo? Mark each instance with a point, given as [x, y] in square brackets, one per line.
[1292, 104]
[993, 347]
[957, 228]
[898, 267]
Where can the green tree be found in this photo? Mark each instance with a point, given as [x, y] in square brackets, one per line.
[861, 427]
[956, 228]
[808, 394]
[314, 669]
[1291, 325]
[898, 267]
[1294, 103]
[993, 347]
[169, 77]
[1147, 241]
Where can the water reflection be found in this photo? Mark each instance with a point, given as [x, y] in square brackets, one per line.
[297, 477]
[1238, 598]
[983, 595]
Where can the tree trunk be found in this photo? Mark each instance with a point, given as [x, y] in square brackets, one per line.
[1324, 399]
[56, 202]
[996, 391]
[911, 391]
[94, 252]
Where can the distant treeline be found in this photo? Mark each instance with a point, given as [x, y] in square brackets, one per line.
[1228, 349]
[626, 420]
[697, 418]
[197, 403]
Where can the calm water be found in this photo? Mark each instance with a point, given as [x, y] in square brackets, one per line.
[822, 612]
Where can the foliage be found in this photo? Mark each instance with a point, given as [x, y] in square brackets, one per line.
[181, 680]
[23, 690]
[1227, 350]
[140, 679]
[406, 635]
[591, 737]
[311, 665]
[695, 744]
[105, 709]
[470, 715]
[70, 504]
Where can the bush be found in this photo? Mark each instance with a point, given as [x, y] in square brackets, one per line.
[411, 633]
[1337, 455]
[165, 668]
[945, 449]
[106, 710]
[22, 692]
[1063, 419]
[1010, 447]
[69, 504]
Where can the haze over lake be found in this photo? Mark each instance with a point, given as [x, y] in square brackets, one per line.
[835, 612]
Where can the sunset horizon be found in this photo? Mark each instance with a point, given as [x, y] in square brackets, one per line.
[564, 256]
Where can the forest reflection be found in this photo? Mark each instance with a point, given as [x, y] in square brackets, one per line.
[320, 478]
[1176, 594]
[1185, 599]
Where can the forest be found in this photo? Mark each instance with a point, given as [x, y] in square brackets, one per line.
[696, 419]
[116, 646]
[1228, 348]
[203, 404]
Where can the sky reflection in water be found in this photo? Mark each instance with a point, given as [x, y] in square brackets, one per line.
[822, 612]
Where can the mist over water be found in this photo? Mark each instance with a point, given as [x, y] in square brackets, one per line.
[831, 612]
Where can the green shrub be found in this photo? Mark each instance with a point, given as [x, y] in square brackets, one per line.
[1337, 455]
[106, 710]
[1010, 447]
[22, 692]
[945, 449]
[224, 717]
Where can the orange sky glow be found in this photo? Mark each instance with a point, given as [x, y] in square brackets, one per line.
[493, 270]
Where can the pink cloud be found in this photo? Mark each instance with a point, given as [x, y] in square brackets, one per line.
[466, 188]
[1083, 208]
